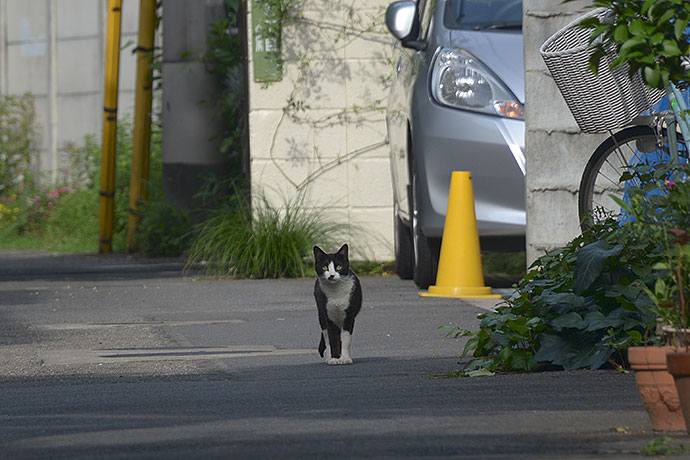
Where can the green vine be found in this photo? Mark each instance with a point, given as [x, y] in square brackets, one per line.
[298, 111]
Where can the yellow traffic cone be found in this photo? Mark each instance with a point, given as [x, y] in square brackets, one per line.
[460, 272]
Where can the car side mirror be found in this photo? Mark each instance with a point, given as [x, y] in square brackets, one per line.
[403, 23]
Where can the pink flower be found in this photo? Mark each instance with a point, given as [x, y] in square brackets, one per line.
[51, 204]
[669, 184]
[53, 194]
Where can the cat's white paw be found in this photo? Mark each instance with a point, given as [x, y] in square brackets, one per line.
[338, 361]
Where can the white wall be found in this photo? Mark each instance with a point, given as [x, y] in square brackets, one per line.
[336, 64]
[54, 49]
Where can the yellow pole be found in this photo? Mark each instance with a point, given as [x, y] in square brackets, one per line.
[141, 137]
[112, 67]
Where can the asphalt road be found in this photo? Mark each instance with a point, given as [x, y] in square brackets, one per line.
[113, 357]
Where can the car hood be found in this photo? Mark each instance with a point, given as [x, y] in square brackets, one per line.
[501, 51]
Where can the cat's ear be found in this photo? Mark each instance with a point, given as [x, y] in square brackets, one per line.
[318, 252]
[343, 250]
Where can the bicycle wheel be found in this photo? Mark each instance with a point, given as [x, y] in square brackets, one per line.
[601, 178]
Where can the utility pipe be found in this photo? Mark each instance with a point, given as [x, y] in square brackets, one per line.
[106, 214]
[141, 136]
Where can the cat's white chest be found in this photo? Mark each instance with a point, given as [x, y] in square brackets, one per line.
[338, 295]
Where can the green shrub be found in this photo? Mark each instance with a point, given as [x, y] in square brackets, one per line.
[576, 307]
[67, 226]
[164, 229]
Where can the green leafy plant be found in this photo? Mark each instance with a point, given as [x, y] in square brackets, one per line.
[661, 210]
[164, 229]
[64, 217]
[577, 307]
[649, 35]
[270, 242]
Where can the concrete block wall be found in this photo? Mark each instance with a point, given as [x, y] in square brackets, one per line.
[55, 49]
[556, 151]
[333, 148]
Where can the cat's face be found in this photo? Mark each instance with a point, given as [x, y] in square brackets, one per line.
[331, 267]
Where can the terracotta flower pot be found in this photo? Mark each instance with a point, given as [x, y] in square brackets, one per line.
[657, 387]
[678, 363]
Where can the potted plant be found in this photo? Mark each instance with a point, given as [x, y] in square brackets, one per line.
[678, 361]
[652, 37]
[660, 209]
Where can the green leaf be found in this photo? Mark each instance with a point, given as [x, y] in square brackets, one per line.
[679, 27]
[561, 302]
[664, 18]
[590, 263]
[632, 43]
[483, 372]
[515, 326]
[620, 33]
[572, 319]
[646, 5]
[636, 336]
[595, 321]
[599, 359]
[671, 48]
[637, 27]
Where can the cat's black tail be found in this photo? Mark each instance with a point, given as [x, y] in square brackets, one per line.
[322, 346]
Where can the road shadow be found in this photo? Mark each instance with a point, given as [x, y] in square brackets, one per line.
[28, 266]
[328, 410]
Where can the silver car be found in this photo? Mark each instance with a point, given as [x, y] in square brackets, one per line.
[456, 104]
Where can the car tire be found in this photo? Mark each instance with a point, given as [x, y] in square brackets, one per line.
[425, 253]
[404, 255]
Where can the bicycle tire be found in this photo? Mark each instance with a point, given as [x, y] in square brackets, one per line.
[600, 178]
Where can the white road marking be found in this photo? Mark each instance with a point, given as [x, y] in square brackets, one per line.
[119, 355]
[84, 326]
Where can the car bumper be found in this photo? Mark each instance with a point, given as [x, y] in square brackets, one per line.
[491, 148]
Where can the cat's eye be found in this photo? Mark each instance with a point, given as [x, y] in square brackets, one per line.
[339, 267]
[324, 268]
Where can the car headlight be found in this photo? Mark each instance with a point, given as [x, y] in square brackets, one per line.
[459, 80]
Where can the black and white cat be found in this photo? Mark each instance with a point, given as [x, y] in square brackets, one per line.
[338, 297]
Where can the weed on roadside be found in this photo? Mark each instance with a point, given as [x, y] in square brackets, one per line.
[663, 446]
[266, 242]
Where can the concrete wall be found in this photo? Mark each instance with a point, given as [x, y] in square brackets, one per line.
[55, 50]
[191, 125]
[333, 149]
[556, 151]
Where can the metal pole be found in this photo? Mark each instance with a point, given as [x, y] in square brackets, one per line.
[112, 66]
[141, 137]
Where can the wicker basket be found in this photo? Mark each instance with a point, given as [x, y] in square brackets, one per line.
[602, 102]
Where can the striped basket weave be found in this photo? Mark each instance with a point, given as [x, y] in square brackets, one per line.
[602, 102]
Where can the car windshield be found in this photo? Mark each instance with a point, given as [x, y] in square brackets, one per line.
[483, 14]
